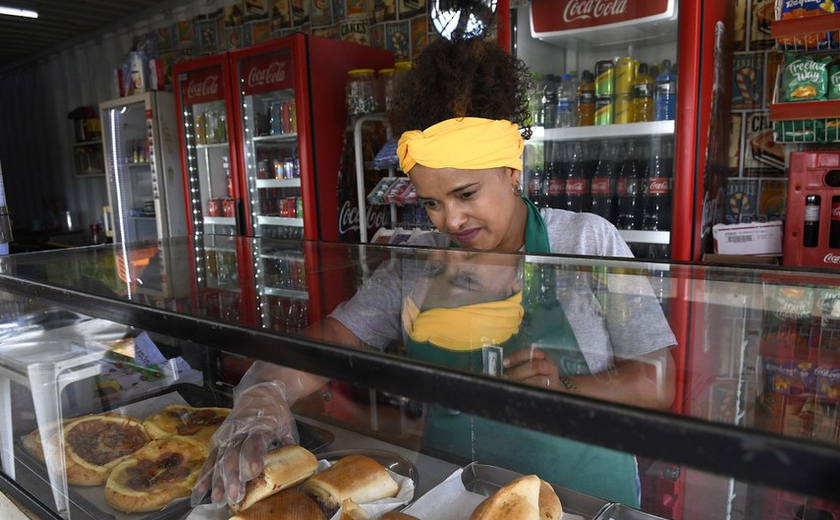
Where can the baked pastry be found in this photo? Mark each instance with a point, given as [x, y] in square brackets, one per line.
[357, 477]
[185, 420]
[95, 444]
[396, 515]
[33, 441]
[284, 467]
[522, 499]
[156, 474]
[289, 503]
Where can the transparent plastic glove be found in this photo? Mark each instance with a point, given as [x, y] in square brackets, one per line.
[260, 420]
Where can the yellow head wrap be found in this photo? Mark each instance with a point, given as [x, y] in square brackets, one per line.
[468, 327]
[467, 143]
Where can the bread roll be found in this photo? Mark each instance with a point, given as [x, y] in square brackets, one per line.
[357, 477]
[284, 467]
[290, 503]
[519, 500]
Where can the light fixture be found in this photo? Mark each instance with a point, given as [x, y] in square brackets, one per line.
[14, 11]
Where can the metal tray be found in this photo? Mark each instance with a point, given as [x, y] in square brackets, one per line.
[485, 479]
[622, 512]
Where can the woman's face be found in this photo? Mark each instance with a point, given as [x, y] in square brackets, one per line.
[476, 208]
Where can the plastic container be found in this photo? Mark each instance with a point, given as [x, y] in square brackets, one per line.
[360, 93]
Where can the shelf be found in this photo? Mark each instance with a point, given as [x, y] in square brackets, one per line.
[279, 221]
[139, 164]
[280, 138]
[142, 217]
[645, 237]
[601, 132]
[285, 293]
[284, 256]
[797, 110]
[220, 221]
[278, 183]
[211, 146]
[802, 29]
[97, 142]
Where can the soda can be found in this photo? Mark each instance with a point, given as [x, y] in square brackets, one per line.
[623, 109]
[289, 167]
[275, 117]
[299, 207]
[200, 129]
[286, 117]
[604, 78]
[603, 110]
[262, 169]
[279, 169]
[625, 72]
[228, 207]
[214, 207]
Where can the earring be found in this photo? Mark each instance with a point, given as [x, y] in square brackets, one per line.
[517, 189]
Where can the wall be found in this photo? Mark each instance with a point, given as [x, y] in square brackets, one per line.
[36, 135]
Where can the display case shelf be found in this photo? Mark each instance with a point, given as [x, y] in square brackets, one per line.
[645, 237]
[285, 293]
[265, 220]
[272, 139]
[220, 221]
[600, 132]
[210, 146]
[277, 183]
[805, 33]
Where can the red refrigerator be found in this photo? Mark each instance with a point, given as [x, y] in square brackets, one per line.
[665, 191]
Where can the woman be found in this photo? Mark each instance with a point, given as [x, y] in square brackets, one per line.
[462, 147]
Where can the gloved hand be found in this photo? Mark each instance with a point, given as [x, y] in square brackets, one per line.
[260, 420]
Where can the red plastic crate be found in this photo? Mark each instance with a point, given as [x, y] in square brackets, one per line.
[807, 176]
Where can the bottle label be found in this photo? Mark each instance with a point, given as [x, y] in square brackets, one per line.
[812, 213]
[556, 187]
[626, 187]
[576, 186]
[564, 105]
[586, 96]
[658, 186]
[642, 90]
[600, 186]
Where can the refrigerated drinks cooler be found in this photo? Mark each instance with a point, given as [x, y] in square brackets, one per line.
[654, 123]
[145, 192]
[290, 122]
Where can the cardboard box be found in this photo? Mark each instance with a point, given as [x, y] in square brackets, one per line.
[755, 238]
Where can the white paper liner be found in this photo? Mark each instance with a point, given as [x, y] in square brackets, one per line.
[450, 500]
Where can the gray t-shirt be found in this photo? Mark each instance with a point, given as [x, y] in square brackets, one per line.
[613, 316]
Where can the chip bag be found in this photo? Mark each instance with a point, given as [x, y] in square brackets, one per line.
[791, 9]
[804, 78]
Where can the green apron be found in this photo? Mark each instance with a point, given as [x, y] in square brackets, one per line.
[604, 473]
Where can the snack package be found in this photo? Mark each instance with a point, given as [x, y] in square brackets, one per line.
[393, 194]
[833, 82]
[799, 131]
[377, 194]
[804, 78]
[791, 9]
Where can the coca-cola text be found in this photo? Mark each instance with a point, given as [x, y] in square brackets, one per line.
[208, 87]
[274, 73]
[586, 9]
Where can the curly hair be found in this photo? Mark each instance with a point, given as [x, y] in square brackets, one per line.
[462, 78]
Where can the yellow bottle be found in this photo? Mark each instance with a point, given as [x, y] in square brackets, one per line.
[642, 95]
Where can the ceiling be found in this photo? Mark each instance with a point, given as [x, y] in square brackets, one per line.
[62, 23]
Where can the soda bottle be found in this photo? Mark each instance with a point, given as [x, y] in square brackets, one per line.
[549, 102]
[586, 100]
[628, 189]
[603, 185]
[811, 229]
[534, 172]
[577, 181]
[834, 230]
[535, 99]
[566, 101]
[556, 192]
[642, 95]
[665, 101]
[659, 175]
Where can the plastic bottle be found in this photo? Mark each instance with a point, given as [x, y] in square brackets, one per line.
[535, 99]
[586, 100]
[665, 101]
[659, 175]
[642, 95]
[577, 180]
[629, 188]
[604, 179]
[566, 101]
[549, 102]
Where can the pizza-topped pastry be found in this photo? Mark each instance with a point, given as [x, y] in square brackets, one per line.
[185, 420]
[94, 444]
[156, 474]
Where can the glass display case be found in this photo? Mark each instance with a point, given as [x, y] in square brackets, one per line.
[461, 371]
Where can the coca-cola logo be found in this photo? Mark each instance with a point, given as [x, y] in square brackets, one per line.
[208, 87]
[589, 9]
[831, 258]
[575, 187]
[600, 186]
[835, 212]
[274, 73]
[556, 187]
[348, 218]
[659, 186]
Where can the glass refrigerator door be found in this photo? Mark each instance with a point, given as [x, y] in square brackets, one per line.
[130, 162]
[270, 144]
[207, 153]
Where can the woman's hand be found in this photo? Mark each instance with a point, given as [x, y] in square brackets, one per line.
[532, 366]
[259, 420]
